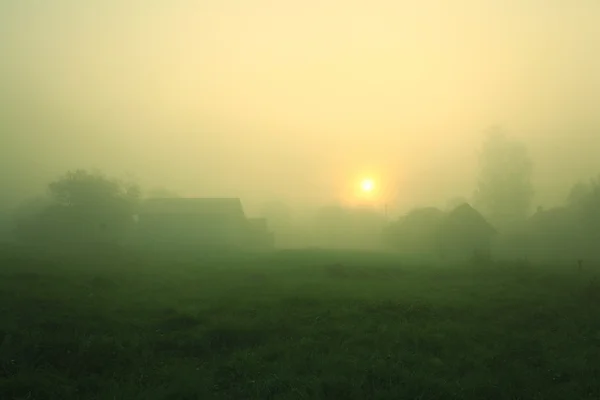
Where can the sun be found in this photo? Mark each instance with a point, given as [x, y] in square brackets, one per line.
[367, 185]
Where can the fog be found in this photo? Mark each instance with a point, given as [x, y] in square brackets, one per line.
[297, 101]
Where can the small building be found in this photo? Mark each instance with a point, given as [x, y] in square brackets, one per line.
[417, 232]
[465, 234]
[214, 223]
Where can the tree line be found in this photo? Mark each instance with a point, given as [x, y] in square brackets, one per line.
[79, 207]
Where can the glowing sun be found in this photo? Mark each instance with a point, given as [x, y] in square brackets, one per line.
[367, 185]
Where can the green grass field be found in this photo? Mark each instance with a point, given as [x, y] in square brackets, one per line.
[293, 325]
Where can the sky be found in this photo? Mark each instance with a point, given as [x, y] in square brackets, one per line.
[298, 101]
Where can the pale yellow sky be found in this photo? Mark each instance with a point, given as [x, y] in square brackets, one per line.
[298, 99]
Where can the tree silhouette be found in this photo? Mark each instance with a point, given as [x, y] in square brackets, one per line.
[81, 188]
[83, 207]
[505, 192]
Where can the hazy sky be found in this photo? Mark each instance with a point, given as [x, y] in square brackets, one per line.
[298, 99]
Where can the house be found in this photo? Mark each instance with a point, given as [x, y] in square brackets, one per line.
[465, 234]
[416, 232]
[199, 223]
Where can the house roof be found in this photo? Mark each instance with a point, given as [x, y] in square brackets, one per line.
[418, 220]
[467, 217]
[196, 206]
[424, 215]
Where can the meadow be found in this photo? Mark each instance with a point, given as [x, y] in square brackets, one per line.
[302, 324]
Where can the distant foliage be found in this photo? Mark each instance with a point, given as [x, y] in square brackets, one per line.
[505, 191]
[460, 234]
[80, 207]
[584, 200]
[568, 233]
[82, 188]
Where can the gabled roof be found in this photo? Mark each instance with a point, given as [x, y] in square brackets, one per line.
[420, 220]
[467, 217]
[197, 206]
[423, 215]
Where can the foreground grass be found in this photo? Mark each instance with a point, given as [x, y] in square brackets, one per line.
[293, 325]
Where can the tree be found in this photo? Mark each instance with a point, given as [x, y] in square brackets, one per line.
[82, 188]
[83, 207]
[505, 192]
[579, 193]
[584, 201]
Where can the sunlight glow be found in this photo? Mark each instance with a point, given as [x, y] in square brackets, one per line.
[367, 185]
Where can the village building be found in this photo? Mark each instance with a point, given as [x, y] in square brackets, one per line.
[417, 232]
[466, 235]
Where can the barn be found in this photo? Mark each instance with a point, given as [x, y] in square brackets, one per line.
[417, 232]
[214, 223]
[465, 234]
